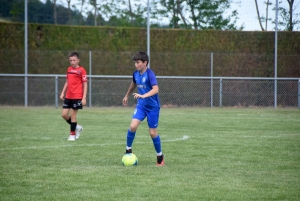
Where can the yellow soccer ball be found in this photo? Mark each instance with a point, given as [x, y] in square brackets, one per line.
[129, 159]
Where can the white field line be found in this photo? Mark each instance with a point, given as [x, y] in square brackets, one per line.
[270, 136]
[185, 137]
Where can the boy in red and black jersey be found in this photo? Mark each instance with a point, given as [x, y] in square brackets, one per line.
[75, 89]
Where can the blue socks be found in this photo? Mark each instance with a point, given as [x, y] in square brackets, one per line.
[130, 138]
[157, 144]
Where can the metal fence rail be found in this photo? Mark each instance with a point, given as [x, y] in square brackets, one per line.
[175, 91]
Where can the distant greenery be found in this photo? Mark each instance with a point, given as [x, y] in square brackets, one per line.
[37, 11]
[179, 14]
[199, 15]
[173, 51]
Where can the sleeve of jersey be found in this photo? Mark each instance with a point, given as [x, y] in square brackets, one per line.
[84, 76]
[133, 80]
[67, 73]
[152, 78]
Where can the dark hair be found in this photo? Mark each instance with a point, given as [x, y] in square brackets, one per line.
[143, 56]
[74, 54]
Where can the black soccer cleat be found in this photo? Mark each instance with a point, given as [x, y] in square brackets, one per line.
[160, 160]
[128, 151]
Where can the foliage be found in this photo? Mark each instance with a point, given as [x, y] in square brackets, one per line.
[288, 15]
[289, 18]
[174, 52]
[204, 14]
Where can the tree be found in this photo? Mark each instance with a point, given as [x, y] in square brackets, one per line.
[210, 14]
[103, 9]
[259, 18]
[69, 11]
[82, 2]
[287, 20]
[54, 12]
[16, 11]
[262, 18]
[128, 13]
[200, 14]
[94, 4]
[267, 12]
[5, 8]
[174, 8]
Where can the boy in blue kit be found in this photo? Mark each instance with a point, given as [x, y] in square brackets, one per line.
[147, 104]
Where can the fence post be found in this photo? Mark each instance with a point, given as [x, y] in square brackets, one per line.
[90, 79]
[212, 80]
[56, 92]
[221, 86]
[299, 94]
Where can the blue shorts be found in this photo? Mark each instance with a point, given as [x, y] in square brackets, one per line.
[152, 116]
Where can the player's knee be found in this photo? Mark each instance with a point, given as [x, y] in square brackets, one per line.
[66, 117]
[153, 135]
[132, 128]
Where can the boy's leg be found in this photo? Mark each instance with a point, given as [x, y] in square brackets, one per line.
[79, 128]
[74, 111]
[153, 117]
[69, 115]
[138, 115]
[73, 125]
[65, 115]
[74, 119]
[131, 134]
[157, 146]
[156, 141]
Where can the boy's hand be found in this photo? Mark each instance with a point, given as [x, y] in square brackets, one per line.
[83, 101]
[136, 96]
[61, 96]
[125, 101]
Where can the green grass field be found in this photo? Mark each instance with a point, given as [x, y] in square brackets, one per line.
[210, 154]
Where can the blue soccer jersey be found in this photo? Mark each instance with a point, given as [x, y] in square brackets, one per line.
[144, 84]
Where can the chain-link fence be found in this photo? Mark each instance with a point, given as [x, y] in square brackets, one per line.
[164, 63]
[175, 91]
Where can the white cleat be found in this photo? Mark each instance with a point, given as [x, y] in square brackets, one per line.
[78, 131]
[71, 138]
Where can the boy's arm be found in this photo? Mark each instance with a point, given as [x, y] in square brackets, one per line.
[152, 92]
[129, 91]
[83, 101]
[64, 90]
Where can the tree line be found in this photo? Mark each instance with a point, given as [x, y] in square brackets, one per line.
[177, 14]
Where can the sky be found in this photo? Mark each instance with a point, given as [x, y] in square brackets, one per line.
[246, 12]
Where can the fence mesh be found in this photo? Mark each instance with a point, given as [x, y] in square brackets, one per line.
[174, 91]
[163, 64]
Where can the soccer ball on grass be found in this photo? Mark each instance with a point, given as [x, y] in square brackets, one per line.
[129, 159]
